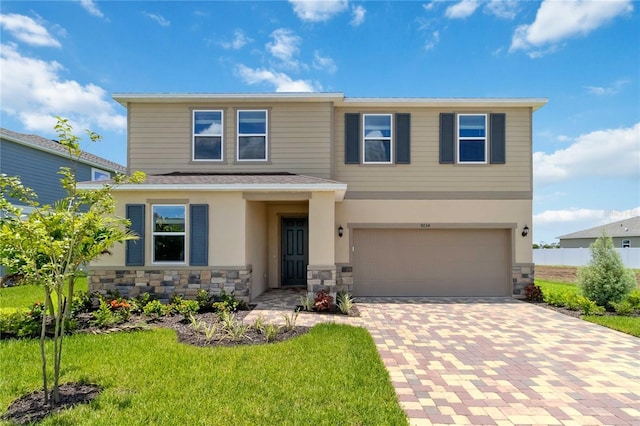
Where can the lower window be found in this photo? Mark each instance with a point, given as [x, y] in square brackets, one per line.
[169, 233]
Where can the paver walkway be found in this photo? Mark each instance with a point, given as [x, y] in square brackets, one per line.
[488, 361]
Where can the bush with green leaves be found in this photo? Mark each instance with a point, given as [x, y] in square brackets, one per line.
[622, 308]
[605, 279]
[21, 324]
[589, 307]
[156, 309]
[227, 302]
[345, 302]
[204, 299]
[555, 297]
[187, 308]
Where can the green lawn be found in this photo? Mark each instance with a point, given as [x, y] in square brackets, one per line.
[626, 324]
[332, 375]
[23, 296]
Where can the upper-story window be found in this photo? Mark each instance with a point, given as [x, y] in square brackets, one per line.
[377, 141]
[207, 135]
[626, 243]
[472, 138]
[169, 233]
[252, 135]
[97, 174]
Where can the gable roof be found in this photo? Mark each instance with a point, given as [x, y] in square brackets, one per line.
[622, 228]
[53, 147]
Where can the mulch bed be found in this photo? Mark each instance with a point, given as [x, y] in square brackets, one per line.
[30, 408]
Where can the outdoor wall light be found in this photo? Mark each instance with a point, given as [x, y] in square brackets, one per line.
[525, 231]
[340, 231]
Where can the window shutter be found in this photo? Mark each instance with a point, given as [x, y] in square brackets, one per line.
[447, 138]
[199, 235]
[134, 250]
[352, 138]
[403, 138]
[497, 147]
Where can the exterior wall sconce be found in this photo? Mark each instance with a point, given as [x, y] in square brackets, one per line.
[340, 231]
[525, 231]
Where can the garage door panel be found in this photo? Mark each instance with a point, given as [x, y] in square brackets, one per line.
[433, 262]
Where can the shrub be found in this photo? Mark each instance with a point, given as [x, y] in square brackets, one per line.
[589, 307]
[572, 301]
[345, 302]
[634, 299]
[187, 308]
[156, 309]
[271, 331]
[290, 321]
[555, 297]
[605, 279]
[323, 301]
[104, 316]
[138, 304]
[307, 303]
[259, 325]
[204, 299]
[227, 302]
[22, 323]
[82, 302]
[533, 293]
[622, 308]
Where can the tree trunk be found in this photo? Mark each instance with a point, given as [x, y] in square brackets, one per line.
[43, 354]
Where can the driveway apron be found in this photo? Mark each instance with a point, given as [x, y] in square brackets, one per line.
[493, 361]
[504, 362]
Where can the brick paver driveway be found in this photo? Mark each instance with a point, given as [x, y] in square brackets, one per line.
[493, 361]
[503, 362]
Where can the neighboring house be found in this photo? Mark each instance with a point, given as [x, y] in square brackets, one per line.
[37, 161]
[624, 233]
[375, 196]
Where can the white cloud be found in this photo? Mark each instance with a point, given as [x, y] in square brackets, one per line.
[27, 30]
[318, 10]
[324, 63]
[92, 8]
[611, 90]
[560, 20]
[238, 42]
[505, 9]
[160, 20]
[435, 39]
[358, 13]
[281, 81]
[285, 45]
[33, 91]
[603, 153]
[462, 10]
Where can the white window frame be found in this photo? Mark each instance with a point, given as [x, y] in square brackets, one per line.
[389, 138]
[193, 135]
[95, 170]
[154, 234]
[265, 135]
[484, 138]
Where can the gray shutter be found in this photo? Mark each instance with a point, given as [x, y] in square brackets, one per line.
[199, 235]
[403, 138]
[447, 138]
[352, 138]
[134, 250]
[497, 142]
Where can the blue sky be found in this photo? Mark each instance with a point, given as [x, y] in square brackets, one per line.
[68, 57]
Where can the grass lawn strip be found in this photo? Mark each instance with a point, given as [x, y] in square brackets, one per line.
[22, 296]
[332, 375]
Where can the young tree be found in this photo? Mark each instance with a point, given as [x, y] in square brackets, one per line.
[49, 246]
[605, 279]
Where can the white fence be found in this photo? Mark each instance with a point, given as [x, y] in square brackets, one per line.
[581, 256]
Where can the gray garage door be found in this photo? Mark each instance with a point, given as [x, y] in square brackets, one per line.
[432, 262]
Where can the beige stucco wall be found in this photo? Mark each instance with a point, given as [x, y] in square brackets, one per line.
[227, 220]
[299, 138]
[322, 230]
[435, 213]
[256, 243]
[425, 174]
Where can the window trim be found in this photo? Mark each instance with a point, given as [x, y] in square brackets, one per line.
[626, 243]
[193, 136]
[390, 138]
[485, 138]
[154, 234]
[265, 135]
[95, 170]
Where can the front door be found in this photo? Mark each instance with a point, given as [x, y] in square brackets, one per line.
[295, 246]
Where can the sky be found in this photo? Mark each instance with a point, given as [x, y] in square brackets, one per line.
[67, 58]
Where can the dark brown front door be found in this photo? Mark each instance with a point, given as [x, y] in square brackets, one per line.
[295, 243]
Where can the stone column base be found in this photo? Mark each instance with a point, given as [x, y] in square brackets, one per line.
[321, 278]
[522, 275]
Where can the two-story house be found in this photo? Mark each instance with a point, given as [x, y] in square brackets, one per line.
[376, 196]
